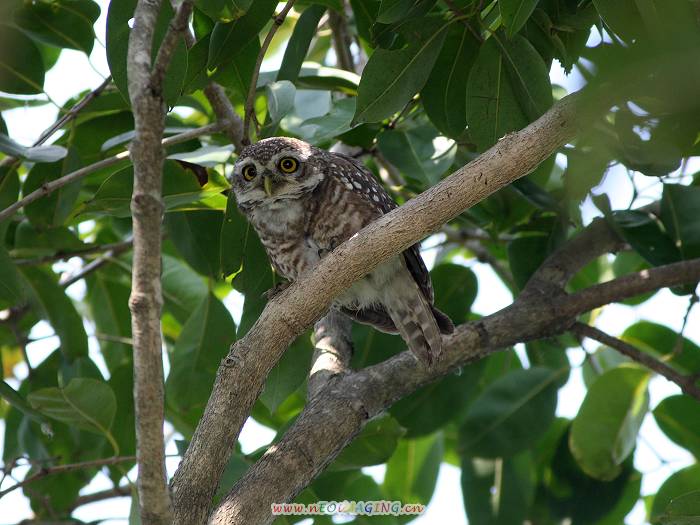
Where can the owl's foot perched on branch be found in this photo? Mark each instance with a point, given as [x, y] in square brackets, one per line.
[276, 289]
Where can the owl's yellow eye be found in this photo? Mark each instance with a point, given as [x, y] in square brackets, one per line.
[288, 164]
[249, 172]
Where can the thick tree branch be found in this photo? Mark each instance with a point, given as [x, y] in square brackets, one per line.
[687, 383]
[243, 372]
[51, 186]
[337, 413]
[249, 111]
[332, 352]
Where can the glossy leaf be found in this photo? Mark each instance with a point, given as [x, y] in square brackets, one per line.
[280, 99]
[683, 510]
[196, 235]
[391, 78]
[508, 87]
[227, 39]
[203, 342]
[510, 414]
[660, 340]
[21, 63]
[288, 374]
[298, 45]
[679, 206]
[374, 445]
[118, 30]
[34, 154]
[498, 491]
[53, 304]
[84, 403]
[444, 95]
[62, 23]
[605, 429]
[412, 470]
[515, 13]
[679, 418]
[678, 484]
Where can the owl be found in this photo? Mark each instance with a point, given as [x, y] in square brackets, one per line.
[303, 202]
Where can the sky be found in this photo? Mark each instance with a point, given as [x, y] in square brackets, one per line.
[656, 456]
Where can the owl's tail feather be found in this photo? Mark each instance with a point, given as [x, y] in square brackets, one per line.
[416, 322]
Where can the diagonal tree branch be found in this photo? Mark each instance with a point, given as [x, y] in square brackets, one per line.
[242, 374]
[335, 415]
[687, 383]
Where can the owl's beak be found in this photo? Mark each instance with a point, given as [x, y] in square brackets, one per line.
[267, 184]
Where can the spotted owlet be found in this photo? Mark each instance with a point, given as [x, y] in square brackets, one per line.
[303, 202]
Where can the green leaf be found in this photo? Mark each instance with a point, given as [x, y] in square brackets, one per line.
[515, 13]
[418, 153]
[85, 403]
[298, 44]
[10, 288]
[237, 73]
[180, 188]
[455, 290]
[16, 400]
[444, 95]
[9, 186]
[391, 78]
[412, 470]
[337, 121]
[511, 413]
[253, 280]
[183, 288]
[203, 342]
[683, 510]
[280, 99]
[124, 426]
[61, 23]
[288, 374]
[678, 484]
[34, 154]
[227, 39]
[508, 88]
[679, 418]
[21, 64]
[224, 10]
[55, 208]
[646, 235]
[498, 491]
[374, 445]
[605, 429]
[196, 235]
[108, 300]
[51, 303]
[118, 31]
[621, 16]
[431, 407]
[679, 214]
[391, 11]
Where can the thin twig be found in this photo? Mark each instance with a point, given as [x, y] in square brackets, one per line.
[115, 492]
[49, 187]
[63, 256]
[176, 29]
[94, 265]
[73, 112]
[686, 383]
[70, 467]
[250, 100]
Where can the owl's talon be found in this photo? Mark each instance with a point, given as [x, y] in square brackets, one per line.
[276, 289]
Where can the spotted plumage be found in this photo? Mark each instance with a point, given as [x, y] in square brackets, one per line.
[303, 202]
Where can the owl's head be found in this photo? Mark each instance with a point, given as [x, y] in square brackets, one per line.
[274, 169]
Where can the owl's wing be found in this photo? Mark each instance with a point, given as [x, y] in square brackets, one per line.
[412, 256]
